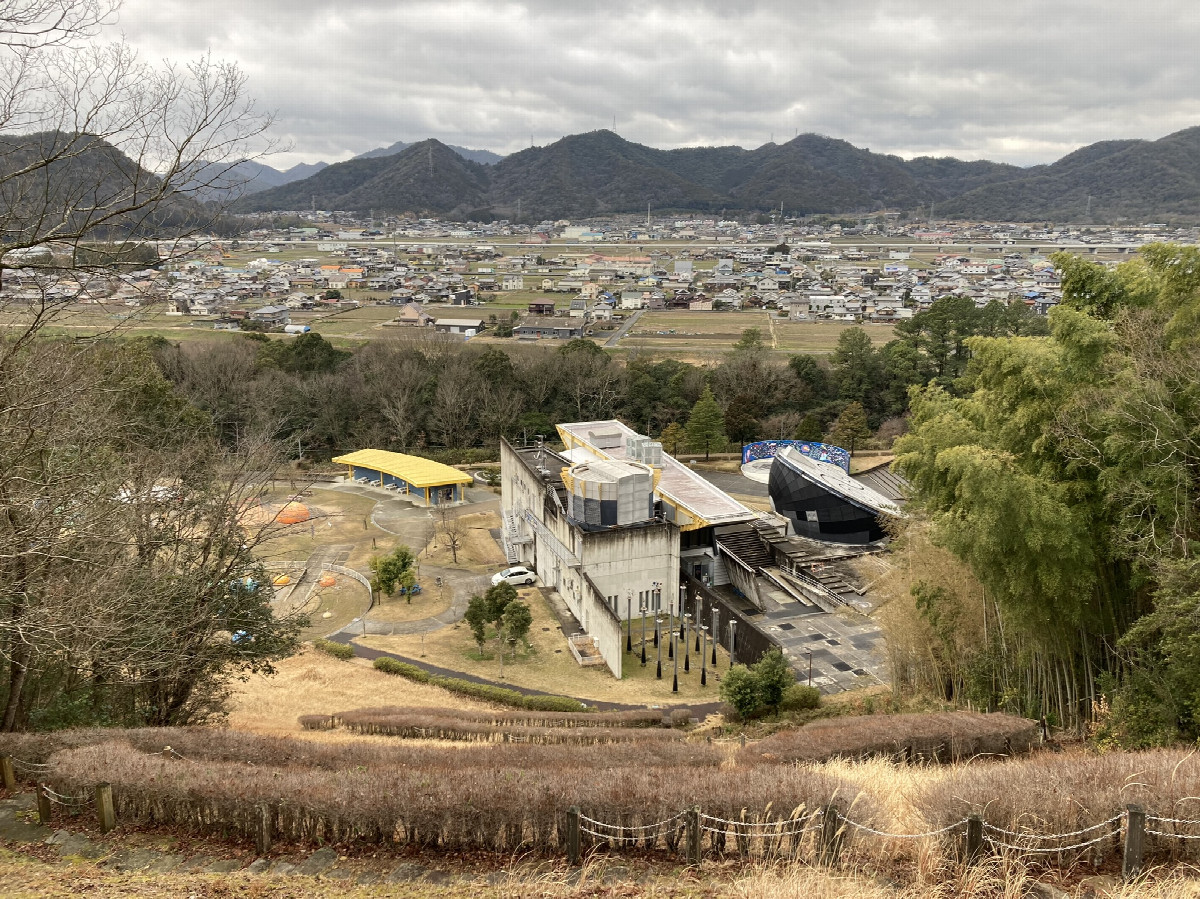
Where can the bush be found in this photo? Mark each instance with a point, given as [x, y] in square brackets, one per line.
[799, 697]
[739, 690]
[937, 737]
[342, 651]
[395, 666]
[681, 717]
[318, 722]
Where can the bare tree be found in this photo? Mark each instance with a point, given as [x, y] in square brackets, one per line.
[451, 531]
[102, 155]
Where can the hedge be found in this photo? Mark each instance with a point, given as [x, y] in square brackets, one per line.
[485, 692]
[337, 650]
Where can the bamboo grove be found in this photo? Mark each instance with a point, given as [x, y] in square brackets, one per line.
[1050, 568]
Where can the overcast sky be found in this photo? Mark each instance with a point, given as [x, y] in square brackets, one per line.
[1021, 82]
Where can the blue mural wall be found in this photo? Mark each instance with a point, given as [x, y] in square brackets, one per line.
[822, 452]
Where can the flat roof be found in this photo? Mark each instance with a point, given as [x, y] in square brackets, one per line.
[414, 470]
[679, 484]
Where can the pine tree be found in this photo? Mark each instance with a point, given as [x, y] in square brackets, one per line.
[706, 424]
[851, 427]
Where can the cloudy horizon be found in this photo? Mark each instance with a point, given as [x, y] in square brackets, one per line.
[1013, 83]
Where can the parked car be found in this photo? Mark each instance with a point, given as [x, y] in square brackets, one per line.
[518, 575]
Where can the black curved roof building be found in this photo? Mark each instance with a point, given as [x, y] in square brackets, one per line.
[822, 502]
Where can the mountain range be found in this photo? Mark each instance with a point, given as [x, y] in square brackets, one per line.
[250, 176]
[601, 173]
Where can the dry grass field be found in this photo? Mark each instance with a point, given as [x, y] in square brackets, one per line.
[315, 683]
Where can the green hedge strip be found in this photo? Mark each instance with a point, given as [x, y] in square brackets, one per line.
[486, 692]
[337, 650]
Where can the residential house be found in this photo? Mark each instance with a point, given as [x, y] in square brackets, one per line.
[271, 315]
[541, 308]
[458, 325]
[558, 328]
[413, 314]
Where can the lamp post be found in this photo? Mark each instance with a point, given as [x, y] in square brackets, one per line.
[642, 608]
[687, 643]
[697, 620]
[703, 631]
[670, 634]
[628, 621]
[658, 644]
[716, 632]
[732, 640]
[656, 587]
[675, 656]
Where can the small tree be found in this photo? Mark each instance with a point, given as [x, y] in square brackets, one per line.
[751, 340]
[498, 597]
[706, 424]
[739, 690]
[477, 616]
[809, 430]
[451, 532]
[773, 675]
[393, 571]
[672, 437]
[851, 427]
[517, 620]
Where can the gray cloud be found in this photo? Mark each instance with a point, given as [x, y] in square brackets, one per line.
[1022, 82]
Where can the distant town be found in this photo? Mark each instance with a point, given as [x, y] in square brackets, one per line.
[563, 280]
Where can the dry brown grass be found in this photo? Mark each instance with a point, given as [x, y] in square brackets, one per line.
[312, 682]
[477, 551]
[935, 737]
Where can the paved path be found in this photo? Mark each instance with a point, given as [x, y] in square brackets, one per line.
[624, 329]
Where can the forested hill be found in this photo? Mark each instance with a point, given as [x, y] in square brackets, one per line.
[601, 173]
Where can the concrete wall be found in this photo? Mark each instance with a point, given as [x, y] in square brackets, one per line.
[631, 560]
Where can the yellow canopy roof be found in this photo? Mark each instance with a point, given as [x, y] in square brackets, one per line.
[412, 469]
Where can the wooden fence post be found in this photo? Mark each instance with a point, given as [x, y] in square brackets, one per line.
[8, 772]
[573, 835]
[104, 807]
[43, 804]
[1135, 841]
[831, 836]
[105, 814]
[974, 838]
[262, 829]
[693, 835]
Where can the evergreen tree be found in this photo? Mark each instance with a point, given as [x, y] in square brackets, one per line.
[673, 436]
[706, 425]
[809, 429]
[851, 427]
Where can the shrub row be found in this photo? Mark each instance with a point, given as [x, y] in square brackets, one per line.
[946, 737]
[342, 651]
[424, 724]
[485, 692]
[201, 744]
[505, 718]
[503, 809]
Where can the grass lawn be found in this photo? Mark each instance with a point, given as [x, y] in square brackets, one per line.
[548, 664]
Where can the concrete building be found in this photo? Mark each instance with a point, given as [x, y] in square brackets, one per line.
[610, 523]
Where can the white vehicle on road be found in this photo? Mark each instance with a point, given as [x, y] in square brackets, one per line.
[518, 576]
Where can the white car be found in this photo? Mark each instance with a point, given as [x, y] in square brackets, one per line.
[518, 576]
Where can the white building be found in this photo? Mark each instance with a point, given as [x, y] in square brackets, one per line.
[608, 524]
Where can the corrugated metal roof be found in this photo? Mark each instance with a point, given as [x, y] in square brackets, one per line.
[413, 469]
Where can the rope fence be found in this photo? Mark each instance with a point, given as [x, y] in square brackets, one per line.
[829, 825]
